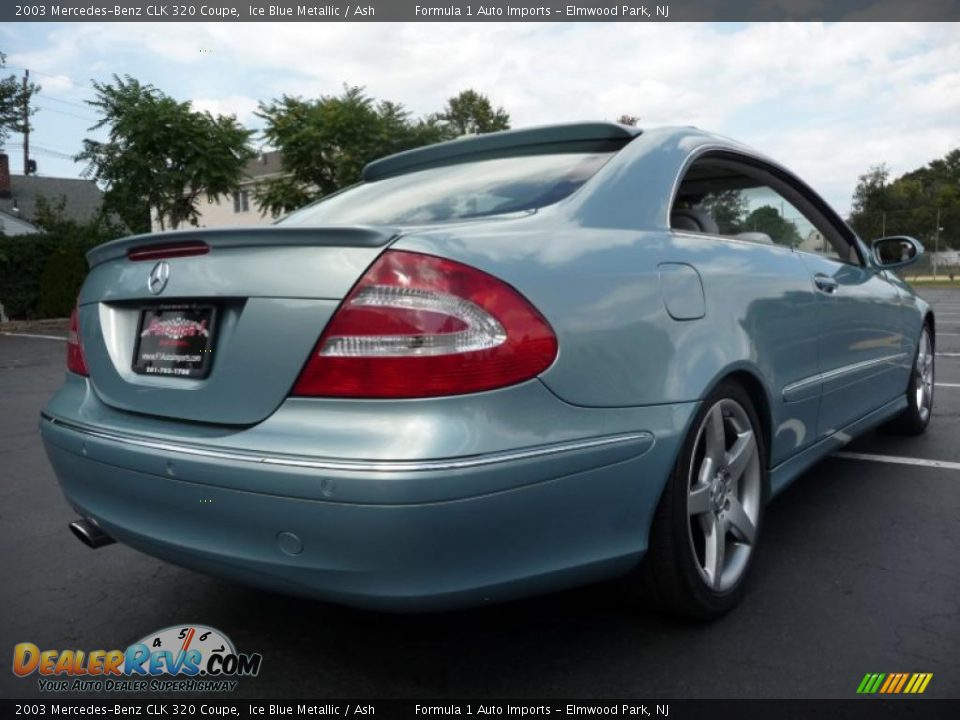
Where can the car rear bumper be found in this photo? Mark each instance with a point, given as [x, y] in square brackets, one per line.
[517, 522]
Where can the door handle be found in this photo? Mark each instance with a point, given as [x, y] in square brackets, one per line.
[825, 283]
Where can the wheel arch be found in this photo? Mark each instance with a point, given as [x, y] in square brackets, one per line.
[750, 380]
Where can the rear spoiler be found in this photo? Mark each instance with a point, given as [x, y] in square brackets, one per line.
[571, 137]
[346, 236]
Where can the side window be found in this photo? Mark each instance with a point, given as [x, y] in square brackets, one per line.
[722, 197]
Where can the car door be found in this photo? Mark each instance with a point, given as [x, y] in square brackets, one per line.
[861, 341]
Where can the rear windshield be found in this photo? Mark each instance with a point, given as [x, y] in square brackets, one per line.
[465, 190]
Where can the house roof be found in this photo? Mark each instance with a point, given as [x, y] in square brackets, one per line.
[83, 197]
[267, 163]
[10, 224]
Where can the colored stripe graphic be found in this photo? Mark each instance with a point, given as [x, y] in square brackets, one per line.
[894, 683]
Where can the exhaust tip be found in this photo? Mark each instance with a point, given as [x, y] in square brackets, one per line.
[89, 534]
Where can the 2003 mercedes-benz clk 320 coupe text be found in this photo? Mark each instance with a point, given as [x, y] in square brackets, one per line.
[497, 366]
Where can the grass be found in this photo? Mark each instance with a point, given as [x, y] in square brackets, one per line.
[929, 282]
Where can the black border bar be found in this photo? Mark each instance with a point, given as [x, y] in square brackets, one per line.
[221, 11]
[525, 709]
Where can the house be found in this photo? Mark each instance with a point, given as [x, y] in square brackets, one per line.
[240, 207]
[19, 195]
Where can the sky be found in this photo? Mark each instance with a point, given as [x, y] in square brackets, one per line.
[827, 100]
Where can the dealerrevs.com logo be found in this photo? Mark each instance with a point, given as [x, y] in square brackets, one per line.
[188, 658]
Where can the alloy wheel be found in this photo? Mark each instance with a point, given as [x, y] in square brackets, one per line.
[924, 376]
[724, 495]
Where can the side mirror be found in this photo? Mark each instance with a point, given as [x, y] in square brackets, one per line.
[896, 251]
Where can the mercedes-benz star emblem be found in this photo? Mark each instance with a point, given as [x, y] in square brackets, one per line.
[157, 280]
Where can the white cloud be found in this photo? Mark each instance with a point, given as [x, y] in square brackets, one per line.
[828, 100]
[238, 105]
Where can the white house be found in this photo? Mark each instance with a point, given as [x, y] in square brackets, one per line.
[240, 208]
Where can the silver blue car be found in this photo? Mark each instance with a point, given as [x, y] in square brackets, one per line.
[497, 366]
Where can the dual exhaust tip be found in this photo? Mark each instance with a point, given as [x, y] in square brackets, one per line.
[90, 534]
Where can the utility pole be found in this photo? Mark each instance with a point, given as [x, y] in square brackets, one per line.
[26, 122]
[936, 245]
[883, 224]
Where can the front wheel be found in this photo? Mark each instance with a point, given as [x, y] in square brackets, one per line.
[706, 528]
[916, 416]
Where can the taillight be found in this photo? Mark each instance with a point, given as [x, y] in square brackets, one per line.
[75, 361]
[421, 326]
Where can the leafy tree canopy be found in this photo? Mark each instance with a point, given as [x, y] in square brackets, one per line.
[471, 113]
[161, 154]
[325, 142]
[908, 205]
[728, 208]
[12, 99]
[767, 219]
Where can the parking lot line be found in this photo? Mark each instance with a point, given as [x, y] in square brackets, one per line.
[38, 337]
[898, 460]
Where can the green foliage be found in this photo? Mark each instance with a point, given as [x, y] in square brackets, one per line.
[908, 205]
[471, 113]
[161, 154]
[326, 142]
[41, 274]
[24, 257]
[767, 219]
[60, 281]
[728, 208]
[12, 99]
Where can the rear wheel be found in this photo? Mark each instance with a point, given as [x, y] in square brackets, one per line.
[916, 416]
[706, 527]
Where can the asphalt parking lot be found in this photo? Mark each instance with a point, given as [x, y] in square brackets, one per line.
[858, 572]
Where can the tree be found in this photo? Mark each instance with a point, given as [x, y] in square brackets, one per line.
[13, 98]
[728, 208]
[767, 219]
[470, 113]
[912, 203]
[871, 199]
[630, 120]
[161, 154]
[325, 143]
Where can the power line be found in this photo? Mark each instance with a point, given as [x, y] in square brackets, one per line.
[64, 154]
[49, 75]
[64, 112]
[48, 96]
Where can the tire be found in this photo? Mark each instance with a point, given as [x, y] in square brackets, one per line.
[916, 416]
[714, 501]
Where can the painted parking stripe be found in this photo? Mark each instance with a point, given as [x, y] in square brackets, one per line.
[949, 385]
[36, 337]
[897, 460]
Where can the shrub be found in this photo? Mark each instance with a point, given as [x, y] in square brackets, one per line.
[40, 274]
[63, 274]
[23, 260]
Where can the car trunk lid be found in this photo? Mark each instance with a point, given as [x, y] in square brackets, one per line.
[253, 301]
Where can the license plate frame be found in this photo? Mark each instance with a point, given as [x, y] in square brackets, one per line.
[175, 340]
